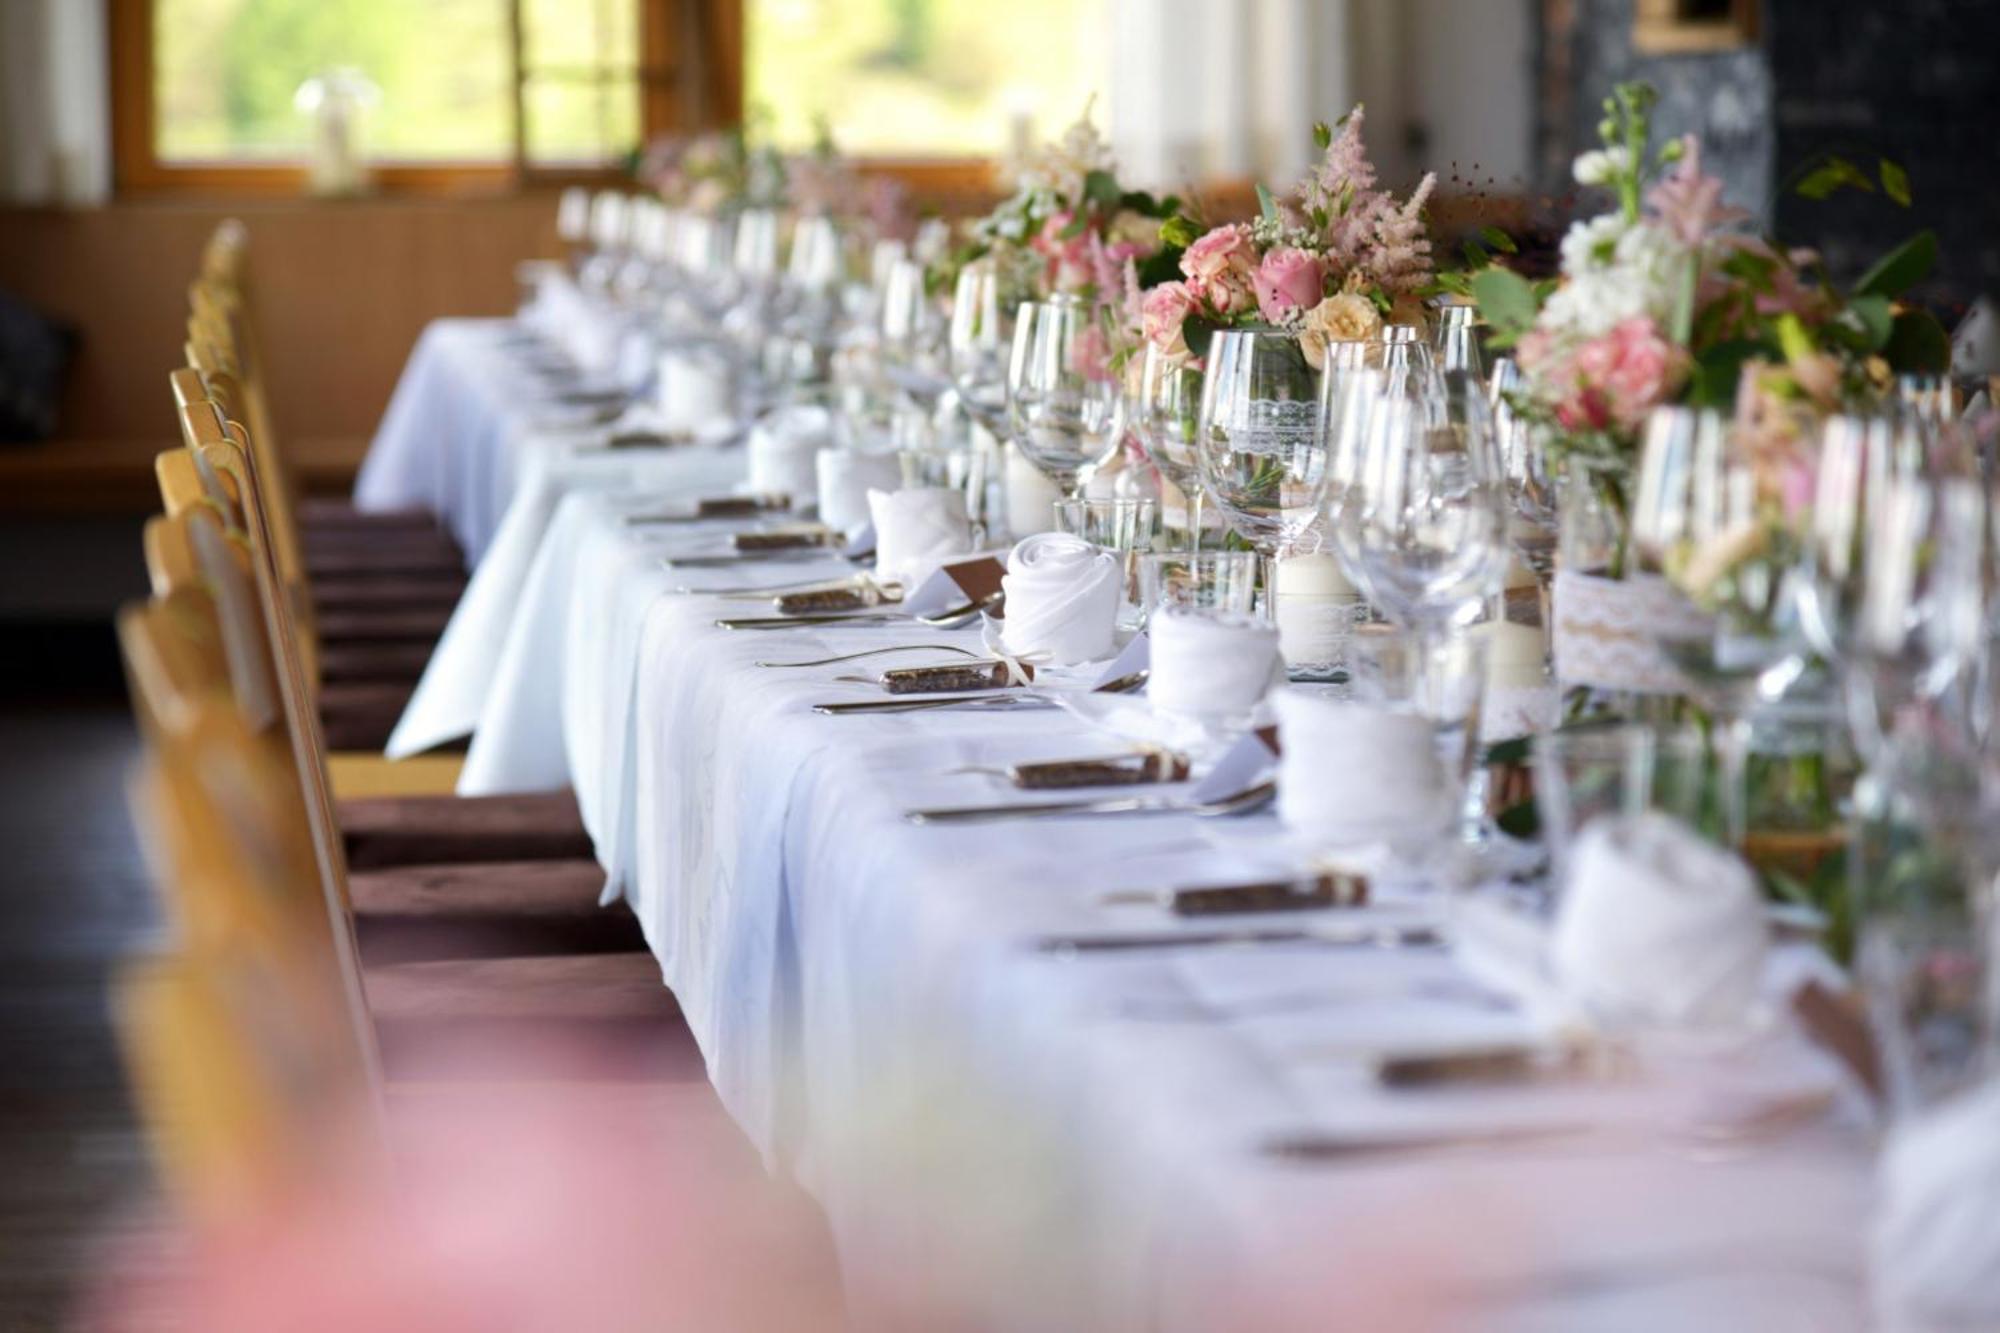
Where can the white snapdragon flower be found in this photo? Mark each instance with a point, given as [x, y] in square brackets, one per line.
[1592, 243]
[1601, 165]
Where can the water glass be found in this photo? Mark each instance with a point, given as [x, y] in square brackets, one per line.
[1124, 527]
[1166, 415]
[1585, 773]
[1199, 581]
[1927, 974]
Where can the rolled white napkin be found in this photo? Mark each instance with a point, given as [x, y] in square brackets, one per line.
[1935, 1244]
[784, 451]
[917, 530]
[1062, 599]
[1354, 772]
[845, 478]
[1207, 663]
[694, 391]
[1658, 926]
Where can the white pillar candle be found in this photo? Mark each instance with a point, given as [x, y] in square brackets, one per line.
[1515, 655]
[1314, 608]
[1031, 497]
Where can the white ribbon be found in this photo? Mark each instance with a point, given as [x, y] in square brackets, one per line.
[1062, 598]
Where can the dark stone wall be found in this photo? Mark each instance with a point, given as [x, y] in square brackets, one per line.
[1916, 81]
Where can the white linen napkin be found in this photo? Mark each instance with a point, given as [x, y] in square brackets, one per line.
[1658, 926]
[1062, 599]
[1208, 663]
[917, 530]
[1935, 1243]
[845, 478]
[694, 391]
[784, 448]
[1354, 772]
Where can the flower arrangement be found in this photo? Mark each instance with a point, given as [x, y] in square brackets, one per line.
[1070, 228]
[1666, 300]
[1332, 260]
[715, 172]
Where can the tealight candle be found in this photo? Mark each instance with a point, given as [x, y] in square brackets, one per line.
[1314, 609]
[1031, 496]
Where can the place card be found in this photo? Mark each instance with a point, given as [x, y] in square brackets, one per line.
[961, 583]
[1135, 657]
[1243, 765]
[818, 601]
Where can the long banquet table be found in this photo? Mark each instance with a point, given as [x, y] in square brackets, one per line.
[1049, 1138]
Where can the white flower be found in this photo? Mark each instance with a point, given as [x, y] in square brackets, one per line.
[1601, 165]
[1590, 243]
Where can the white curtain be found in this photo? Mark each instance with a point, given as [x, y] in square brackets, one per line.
[55, 115]
[1220, 89]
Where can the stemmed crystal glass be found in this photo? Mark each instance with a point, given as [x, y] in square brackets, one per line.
[1166, 415]
[910, 334]
[1063, 401]
[1531, 485]
[978, 344]
[1420, 521]
[1699, 502]
[1261, 450]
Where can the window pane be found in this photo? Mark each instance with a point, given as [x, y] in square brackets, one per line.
[576, 121]
[923, 77]
[226, 73]
[580, 33]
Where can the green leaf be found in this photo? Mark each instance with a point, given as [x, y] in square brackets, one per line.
[1322, 135]
[1793, 340]
[1716, 371]
[1476, 255]
[1901, 269]
[1162, 266]
[1682, 327]
[1876, 319]
[1506, 301]
[1139, 201]
[1498, 240]
[1521, 820]
[1179, 230]
[1895, 182]
[1831, 176]
[1100, 187]
[1266, 204]
[1918, 345]
[1199, 331]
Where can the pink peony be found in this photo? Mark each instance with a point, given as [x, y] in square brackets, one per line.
[1220, 268]
[1288, 283]
[1161, 314]
[1609, 382]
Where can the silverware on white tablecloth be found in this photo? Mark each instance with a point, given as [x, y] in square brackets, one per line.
[1252, 798]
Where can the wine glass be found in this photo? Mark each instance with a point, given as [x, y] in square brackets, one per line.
[978, 344]
[1063, 402]
[1457, 340]
[1166, 414]
[1261, 450]
[1420, 523]
[1703, 515]
[1531, 484]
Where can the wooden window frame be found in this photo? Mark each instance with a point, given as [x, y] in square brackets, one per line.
[712, 30]
[1658, 28]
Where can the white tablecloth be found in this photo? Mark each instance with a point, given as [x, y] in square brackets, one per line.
[1077, 1141]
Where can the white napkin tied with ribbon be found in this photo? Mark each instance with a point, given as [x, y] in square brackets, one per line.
[1062, 600]
[845, 476]
[784, 448]
[1658, 926]
[916, 531]
[1935, 1244]
[1355, 772]
[1208, 663]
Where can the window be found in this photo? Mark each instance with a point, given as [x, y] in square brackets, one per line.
[455, 92]
[924, 78]
[1672, 27]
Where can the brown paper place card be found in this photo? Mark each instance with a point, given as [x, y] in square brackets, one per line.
[1835, 1022]
[979, 578]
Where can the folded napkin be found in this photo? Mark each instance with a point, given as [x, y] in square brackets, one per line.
[784, 448]
[1210, 663]
[1354, 772]
[845, 476]
[694, 391]
[917, 530]
[1062, 599]
[1935, 1247]
[1658, 926]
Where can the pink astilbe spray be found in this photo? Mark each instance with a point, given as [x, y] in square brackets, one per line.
[1689, 204]
[1399, 254]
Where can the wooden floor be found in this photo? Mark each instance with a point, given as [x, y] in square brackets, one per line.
[73, 898]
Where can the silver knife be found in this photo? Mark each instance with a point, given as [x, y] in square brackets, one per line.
[825, 618]
[1366, 937]
[937, 701]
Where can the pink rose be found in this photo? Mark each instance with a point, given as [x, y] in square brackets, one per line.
[1220, 268]
[1287, 283]
[1161, 315]
[1609, 382]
